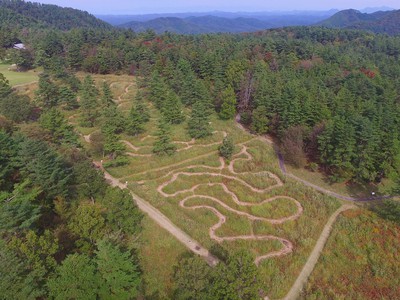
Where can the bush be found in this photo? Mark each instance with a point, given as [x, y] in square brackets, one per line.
[226, 149]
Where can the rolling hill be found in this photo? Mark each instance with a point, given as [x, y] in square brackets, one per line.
[216, 24]
[387, 22]
[28, 14]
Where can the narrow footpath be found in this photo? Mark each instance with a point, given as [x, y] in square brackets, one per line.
[163, 221]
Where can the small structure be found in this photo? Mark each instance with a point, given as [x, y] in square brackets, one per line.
[19, 46]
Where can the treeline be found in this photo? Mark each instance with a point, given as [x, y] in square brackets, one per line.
[64, 233]
[329, 96]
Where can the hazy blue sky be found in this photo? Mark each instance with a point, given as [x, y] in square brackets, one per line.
[152, 6]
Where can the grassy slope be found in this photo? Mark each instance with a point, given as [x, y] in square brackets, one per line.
[17, 78]
[159, 251]
[361, 260]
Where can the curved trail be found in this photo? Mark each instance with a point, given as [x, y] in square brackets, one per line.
[163, 221]
[268, 140]
[120, 101]
[312, 260]
[287, 246]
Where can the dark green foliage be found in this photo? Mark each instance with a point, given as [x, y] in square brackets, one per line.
[163, 145]
[107, 97]
[389, 210]
[228, 107]
[260, 121]
[76, 278]
[199, 122]
[18, 210]
[54, 121]
[238, 279]
[119, 275]
[235, 279]
[30, 14]
[8, 151]
[16, 108]
[136, 119]
[89, 181]
[5, 88]
[172, 109]
[44, 167]
[89, 104]
[192, 279]
[122, 214]
[68, 97]
[226, 149]
[48, 93]
[17, 281]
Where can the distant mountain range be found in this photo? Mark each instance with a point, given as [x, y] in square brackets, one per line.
[379, 22]
[216, 21]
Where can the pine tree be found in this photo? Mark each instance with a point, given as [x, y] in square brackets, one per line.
[5, 88]
[112, 145]
[48, 94]
[89, 105]
[107, 97]
[68, 97]
[135, 122]
[199, 124]
[228, 107]
[259, 120]
[120, 276]
[141, 108]
[226, 149]
[75, 278]
[172, 109]
[163, 144]
[54, 121]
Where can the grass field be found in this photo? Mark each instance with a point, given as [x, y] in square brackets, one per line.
[257, 202]
[360, 261]
[158, 254]
[18, 78]
[195, 176]
[352, 190]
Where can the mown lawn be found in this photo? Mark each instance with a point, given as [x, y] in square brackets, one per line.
[17, 78]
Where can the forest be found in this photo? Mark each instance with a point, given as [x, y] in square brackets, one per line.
[329, 97]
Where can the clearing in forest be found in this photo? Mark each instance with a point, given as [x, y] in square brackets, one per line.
[242, 203]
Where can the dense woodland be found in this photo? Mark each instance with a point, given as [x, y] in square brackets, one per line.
[330, 97]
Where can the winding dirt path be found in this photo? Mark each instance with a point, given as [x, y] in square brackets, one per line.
[163, 221]
[312, 260]
[268, 140]
[287, 246]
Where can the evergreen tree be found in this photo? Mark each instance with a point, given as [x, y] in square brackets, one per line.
[107, 97]
[75, 278]
[172, 109]
[16, 108]
[135, 122]
[228, 107]
[120, 277]
[122, 213]
[88, 102]
[48, 94]
[68, 97]
[17, 209]
[237, 280]
[141, 107]
[226, 149]
[163, 144]
[259, 120]
[199, 124]
[5, 88]
[54, 121]
[17, 281]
